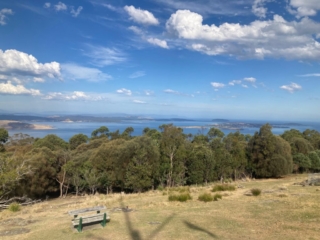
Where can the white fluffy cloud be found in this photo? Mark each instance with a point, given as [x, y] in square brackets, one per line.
[74, 96]
[258, 8]
[158, 42]
[259, 39]
[124, 91]
[3, 15]
[13, 62]
[302, 8]
[141, 16]
[148, 92]
[217, 85]
[292, 87]
[250, 79]
[9, 88]
[60, 6]
[139, 101]
[77, 72]
[233, 82]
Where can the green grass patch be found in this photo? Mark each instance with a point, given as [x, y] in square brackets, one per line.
[182, 197]
[217, 196]
[223, 187]
[14, 207]
[205, 197]
[256, 191]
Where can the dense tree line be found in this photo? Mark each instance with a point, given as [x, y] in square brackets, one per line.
[113, 161]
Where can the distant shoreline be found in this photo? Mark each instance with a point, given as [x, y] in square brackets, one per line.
[16, 125]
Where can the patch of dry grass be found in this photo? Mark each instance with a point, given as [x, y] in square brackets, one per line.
[283, 211]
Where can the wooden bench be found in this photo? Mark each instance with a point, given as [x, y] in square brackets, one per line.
[79, 221]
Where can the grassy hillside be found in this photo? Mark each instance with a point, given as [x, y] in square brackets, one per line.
[282, 211]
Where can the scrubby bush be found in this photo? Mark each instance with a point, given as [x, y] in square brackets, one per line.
[217, 196]
[14, 207]
[223, 187]
[180, 189]
[183, 197]
[205, 197]
[256, 191]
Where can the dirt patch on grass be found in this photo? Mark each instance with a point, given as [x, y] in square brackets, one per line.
[16, 231]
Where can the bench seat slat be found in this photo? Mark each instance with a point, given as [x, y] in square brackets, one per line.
[89, 219]
[84, 210]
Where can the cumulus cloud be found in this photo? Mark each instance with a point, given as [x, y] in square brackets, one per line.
[139, 102]
[74, 12]
[47, 5]
[60, 6]
[74, 96]
[233, 82]
[258, 8]
[158, 42]
[124, 91]
[9, 88]
[302, 8]
[137, 74]
[292, 87]
[102, 56]
[148, 92]
[136, 30]
[77, 72]
[141, 16]
[250, 79]
[13, 62]
[3, 15]
[38, 79]
[259, 39]
[217, 85]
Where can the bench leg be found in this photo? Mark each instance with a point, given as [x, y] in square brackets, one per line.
[104, 221]
[79, 228]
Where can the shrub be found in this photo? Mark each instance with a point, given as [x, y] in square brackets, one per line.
[14, 207]
[183, 197]
[282, 195]
[223, 187]
[256, 191]
[217, 196]
[160, 188]
[206, 197]
[180, 189]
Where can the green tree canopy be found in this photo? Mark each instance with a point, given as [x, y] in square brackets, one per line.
[51, 141]
[77, 140]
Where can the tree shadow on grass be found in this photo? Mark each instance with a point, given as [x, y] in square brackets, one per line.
[135, 234]
[195, 227]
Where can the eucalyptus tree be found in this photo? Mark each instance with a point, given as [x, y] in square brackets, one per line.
[77, 140]
[269, 155]
[102, 131]
[235, 144]
[201, 164]
[4, 135]
[172, 149]
[143, 167]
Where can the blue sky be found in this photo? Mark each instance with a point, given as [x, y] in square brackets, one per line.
[249, 59]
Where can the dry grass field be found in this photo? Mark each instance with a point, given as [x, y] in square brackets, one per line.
[282, 211]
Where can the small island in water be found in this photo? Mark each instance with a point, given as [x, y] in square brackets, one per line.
[16, 125]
